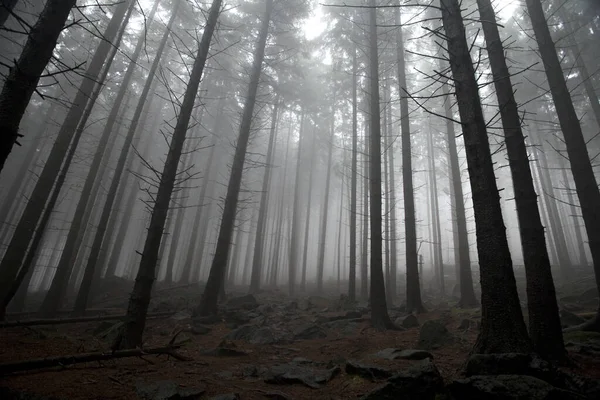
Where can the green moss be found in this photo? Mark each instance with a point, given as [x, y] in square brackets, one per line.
[581, 336]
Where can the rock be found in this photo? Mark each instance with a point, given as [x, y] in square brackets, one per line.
[198, 329]
[277, 396]
[166, 390]
[420, 382]
[371, 372]
[293, 373]
[208, 320]
[181, 315]
[496, 387]
[258, 335]
[409, 354]
[344, 327]
[228, 396]
[410, 321]
[308, 332]
[433, 335]
[530, 365]
[568, 318]
[246, 302]
[224, 352]
[466, 324]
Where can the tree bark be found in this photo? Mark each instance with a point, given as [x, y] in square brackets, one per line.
[413, 290]
[353, 183]
[257, 260]
[583, 174]
[131, 336]
[544, 323]
[24, 76]
[208, 304]
[308, 208]
[293, 253]
[502, 327]
[379, 314]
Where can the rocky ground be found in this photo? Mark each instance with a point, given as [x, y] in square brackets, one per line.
[311, 347]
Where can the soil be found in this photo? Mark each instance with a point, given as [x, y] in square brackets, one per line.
[116, 379]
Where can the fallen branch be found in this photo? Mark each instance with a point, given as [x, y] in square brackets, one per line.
[61, 361]
[32, 322]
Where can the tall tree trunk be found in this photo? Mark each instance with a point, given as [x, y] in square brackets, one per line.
[339, 230]
[544, 323]
[257, 260]
[208, 304]
[325, 213]
[392, 208]
[502, 327]
[353, 183]
[413, 290]
[465, 282]
[435, 215]
[364, 262]
[235, 259]
[16, 251]
[556, 226]
[293, 253]
[24, 76]
[379, 314]
[133, 327]
[581, 166]
[308, 207]
[580, 243]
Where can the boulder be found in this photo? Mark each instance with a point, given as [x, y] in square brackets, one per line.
[259, 335]
[467, 324]
[293, 373]
[409, 354]
[567, 318]
[227, 396]
[410, 321]
[509, 387]
[420, 382]
[308, 332]
[433, 335]
[224, 352]
[371, 372]
[246, 302]
[166, 390]
[198, 329]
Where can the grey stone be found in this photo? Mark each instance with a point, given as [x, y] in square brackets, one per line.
[410, 321]
[293, 373]
[227, 396]
[420, 382]
[371, 372]
[308, 332]
[224, 352]
[246, 302]
[408, 354]
[509, 387]
[433, 335]
[198, 329]
[166, 390]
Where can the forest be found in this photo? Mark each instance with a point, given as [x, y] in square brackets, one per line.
[299, 199]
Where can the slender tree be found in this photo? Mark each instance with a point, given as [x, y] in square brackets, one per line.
[311, 167]
[544, 323]
[353, 180]
[502, 327]
[133, 327]
[379, 314]
[413, 290]
[208, 304]
[581, 166]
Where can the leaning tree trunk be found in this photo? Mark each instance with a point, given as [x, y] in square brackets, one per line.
[92, 273]
[413, 290]
[133, 328]
[89, 192]
[24, 76]
[16, 251]
[208, 304]
[379, 314]
[581, 166]
[502, 327]
[257, 260]
[544, 323]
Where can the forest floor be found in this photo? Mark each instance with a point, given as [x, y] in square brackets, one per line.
[254, 343]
